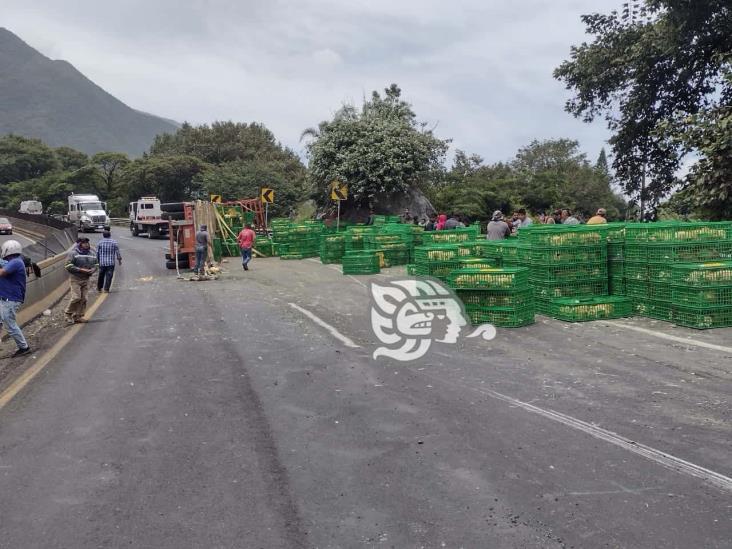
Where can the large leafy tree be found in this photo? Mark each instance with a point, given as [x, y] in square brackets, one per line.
[109, 166]
[172, 178]
[380, 150]
[656, 72]
[22, 158]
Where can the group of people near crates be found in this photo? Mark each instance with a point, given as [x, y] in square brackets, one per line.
[499, 228]
[246, 239]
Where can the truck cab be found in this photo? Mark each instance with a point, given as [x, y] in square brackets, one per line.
[88, 212]
[147, 217]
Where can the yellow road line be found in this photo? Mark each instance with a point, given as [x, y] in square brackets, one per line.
[26, 377]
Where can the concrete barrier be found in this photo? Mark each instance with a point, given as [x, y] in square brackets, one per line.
[51, 235]
[43, 293]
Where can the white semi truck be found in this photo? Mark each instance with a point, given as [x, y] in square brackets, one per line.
[88, 212]
[31, 207]
[146, 217]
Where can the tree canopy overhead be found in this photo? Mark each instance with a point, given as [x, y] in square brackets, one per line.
[379, 150]
[659, 72]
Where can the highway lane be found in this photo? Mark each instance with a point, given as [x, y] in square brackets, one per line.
[214, 414]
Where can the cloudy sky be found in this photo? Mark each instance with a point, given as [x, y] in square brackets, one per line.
[478, 70]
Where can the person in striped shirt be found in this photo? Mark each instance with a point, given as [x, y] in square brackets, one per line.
[107, 253]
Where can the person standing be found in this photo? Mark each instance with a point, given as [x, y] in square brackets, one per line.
[523, 219]
[107, 253]
[497, 228]
[201, 250]
[568, 218]
[246, 240]
[12, 292]
[80, 264]
[599, 218]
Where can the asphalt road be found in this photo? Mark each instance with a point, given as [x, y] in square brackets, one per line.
[24, 241]
[215, 414]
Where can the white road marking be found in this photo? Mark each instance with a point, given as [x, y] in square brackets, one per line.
[320, 322]
[670, 337]
[662, 458]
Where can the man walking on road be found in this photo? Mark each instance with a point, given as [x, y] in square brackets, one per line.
[12, 292]
[107, 252]
[246, 240]
[201, 250]
[80, 263]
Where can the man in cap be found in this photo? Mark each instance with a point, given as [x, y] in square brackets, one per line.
[81, 262]
[497, 228]
[12, 292]
[599, 218]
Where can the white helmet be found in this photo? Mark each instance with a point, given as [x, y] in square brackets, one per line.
[10, 247]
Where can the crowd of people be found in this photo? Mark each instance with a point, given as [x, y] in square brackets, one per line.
[500, 226]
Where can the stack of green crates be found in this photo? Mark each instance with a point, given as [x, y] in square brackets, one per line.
[616, 258]
[332, 247]
[566, 261]
[437, 260]
[500, 296]
[701, 294]
[301, 240]
[356, 237]
[652, 250]
[265, 246]
[362, 262]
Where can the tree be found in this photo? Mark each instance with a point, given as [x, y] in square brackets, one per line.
[223, 142]
[648, 70]
[380, 150]
[22, 158]
[71, 159]
[171, 178]
[109, 165]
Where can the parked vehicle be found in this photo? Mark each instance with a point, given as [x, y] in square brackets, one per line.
[146, 217]
[6, 227]
[31, 207]
[88, 212]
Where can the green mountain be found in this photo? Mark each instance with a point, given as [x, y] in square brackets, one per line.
[53, 101]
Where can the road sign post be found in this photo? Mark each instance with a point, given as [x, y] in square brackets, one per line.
[338, 192]
[266, 195]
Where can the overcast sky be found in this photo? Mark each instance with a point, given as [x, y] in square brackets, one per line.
[478, 70]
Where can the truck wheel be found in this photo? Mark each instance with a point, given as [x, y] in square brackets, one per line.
[172, 207]
[135, 230]
[152, 232]
[182, 257]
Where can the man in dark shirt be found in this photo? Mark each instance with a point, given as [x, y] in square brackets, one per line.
[81, 262]
[12, 292]
[201, 249]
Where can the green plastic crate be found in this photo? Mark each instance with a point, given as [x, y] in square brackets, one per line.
[565, 235]
[568, 272]
[426, 254]
[502, 317]
[685, 252]
[590, 308]
[568, 254]
[616, 268]
[582, 288]
[616, 251]
[671, 231]
[361, 263]
[687, 296]
[703, 318]
[493, 298]
[450, 236]
[437, 269]
[411, 269]
[504, 278]
[702, 275]
[477, 263]
[650, 290]
[652, 308]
